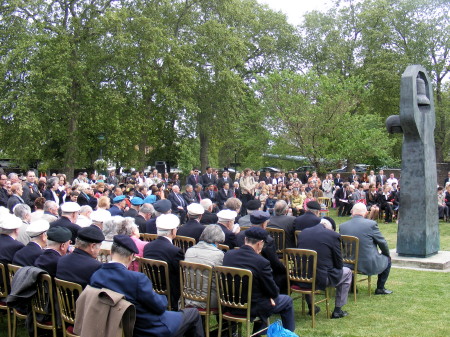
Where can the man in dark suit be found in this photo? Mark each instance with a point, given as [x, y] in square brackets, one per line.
[3, 192]
[224, 194]
[267, 178]
[30, 190]
[211, 194]
[152, 317]
[330, 268]
[284, 221]
[179, 204]
[119, 205]
[144, 215]
[226, 222]
[353, 177]
[68, 218]
[9, 232]
[266, 299]
[209, 178]
[447, 180]
[370, 239]
[79, 266]
[381, 178]
[305, 177]
[199, 193]
[136, 204]
[195, 178]
[310, 218]
[58, 241]
[193, 228]
[343, 200]
[225, 179]
[163, 206]
[208, 217]
[189, 194]
[338, 180]
[261, 219]
[37, 231]
[164, 250]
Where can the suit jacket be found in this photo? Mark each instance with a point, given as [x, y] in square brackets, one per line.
[8, 247]
[177, 201]
[48, 261]
[206, 180]
[338, 182]
[77, 267]
[3, 197]
[305, 221]
[141, 223]
[192, 229]
[84, 199]
[152, 318]
[13, 201]
[150, 227]
[230, 237]
[48, 195]
[208, 218]
[370, 238]
[27, 255]
[189, 197]
[30, 194]
[114, 210]
[340, 195]
[264, 287]
[192, 181]
[285, 222]
[381, 179]
[131, 213]
[222, 181]
[199, 196]
[327, 244]
[223, 196]
[352, 178]
[212, 195]
[162, 249]
[65, 222]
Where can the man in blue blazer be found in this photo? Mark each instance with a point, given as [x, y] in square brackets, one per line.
[37, 231]
[310, 218]
[152, 318]
[164, 250]
[193, 228]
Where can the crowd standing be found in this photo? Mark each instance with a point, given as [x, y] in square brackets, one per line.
[61, 227]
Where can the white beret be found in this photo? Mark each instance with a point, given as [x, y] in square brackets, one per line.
[226, 215]
[70, 207]
[195, 209]
[10, 221]
[37, 227]
[167, 221]
[100, 215]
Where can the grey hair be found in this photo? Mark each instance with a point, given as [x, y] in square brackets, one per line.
[50, 204]
[212, 234]
[21, 210]
[119, 250]
[85, 209]
[206, 203]
[163, 232]
[280, 207]
[234, 204]
[6, 231]
[52, 182]
[188, 186]
[126, 226]
[147, 209]
[110, 228]
[51, 243]
[79, 243]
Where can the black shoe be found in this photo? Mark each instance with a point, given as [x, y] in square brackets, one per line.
[316, 310]
[382, 292]
[339, 314]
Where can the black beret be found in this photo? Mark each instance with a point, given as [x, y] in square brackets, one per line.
[313, 205]
[253, 205]
[331, 220]
[91, 234]
[256, 233]
[259, 217]
[59, 234]
[126, 242]
[162, 206]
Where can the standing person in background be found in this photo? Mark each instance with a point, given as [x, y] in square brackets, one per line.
[327, 186]
[247, 184]
[30, 190]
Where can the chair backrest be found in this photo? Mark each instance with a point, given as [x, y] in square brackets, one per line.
[195, 283]
[12, 269]
[324, 200]
[243, 228]
[104, 256]
[350, 250]
[223, 248]
[234, 288]
[301, 265]
[68, 293]
[43, 301]
[3, 281]
[148, 237]
[158, 272]
[183, 242]
[278, 236]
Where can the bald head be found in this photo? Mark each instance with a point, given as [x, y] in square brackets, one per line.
[359, 209]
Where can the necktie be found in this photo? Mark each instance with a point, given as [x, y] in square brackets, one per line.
[211, 193]
[181, 200]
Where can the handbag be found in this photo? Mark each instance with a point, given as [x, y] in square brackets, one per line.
[276, 330]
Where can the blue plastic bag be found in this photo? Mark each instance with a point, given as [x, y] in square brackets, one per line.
[276, 330]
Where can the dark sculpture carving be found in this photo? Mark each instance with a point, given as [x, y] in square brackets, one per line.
[418, 226]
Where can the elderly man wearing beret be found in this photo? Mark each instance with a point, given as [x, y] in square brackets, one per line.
[9, 231]
[118, 206]
[37, 231]
[79, 266]
[152, 318]
[226, 222]
[193, 228]
[266, 298]
[162, 206]
[68, 218]
[310, 218]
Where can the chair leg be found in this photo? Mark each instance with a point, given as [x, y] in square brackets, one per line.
[327, 301]
[354, 285]
[14, 325]
[313, 310]
[369, 280]
[207, 325]
[303, 304]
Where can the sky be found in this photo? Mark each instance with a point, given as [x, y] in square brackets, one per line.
[295, 9]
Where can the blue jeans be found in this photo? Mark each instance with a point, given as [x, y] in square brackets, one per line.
[284, 307]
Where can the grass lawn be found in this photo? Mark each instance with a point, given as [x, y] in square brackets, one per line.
[419, 306]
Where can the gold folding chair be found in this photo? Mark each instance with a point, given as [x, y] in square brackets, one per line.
[324, 200]
[183, 242]
[279, 236]
[42, 303]
[148, 237]
[4, 292]
[158, 272]
[196, 285]
[104, 255]
[350, 255]
[12, 269]
[68, 293]
[223, 248]
[234, 290]
[296, 237]
[301, 265]
[243, 228]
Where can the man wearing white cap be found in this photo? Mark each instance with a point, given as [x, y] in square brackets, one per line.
[193, 228]
[9, 230]
[99, 217]
[226, 222]
[163, 249]
[37, 231]
[69, 218]
[84, 216]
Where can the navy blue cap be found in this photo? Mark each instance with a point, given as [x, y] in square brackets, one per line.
[59, 234]
[162, 206]
[253, 205]
[118, 199]
[91, 234]
[126, 242]
[313, 205]
[136, 201]
[259, 217]
[256, 233]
